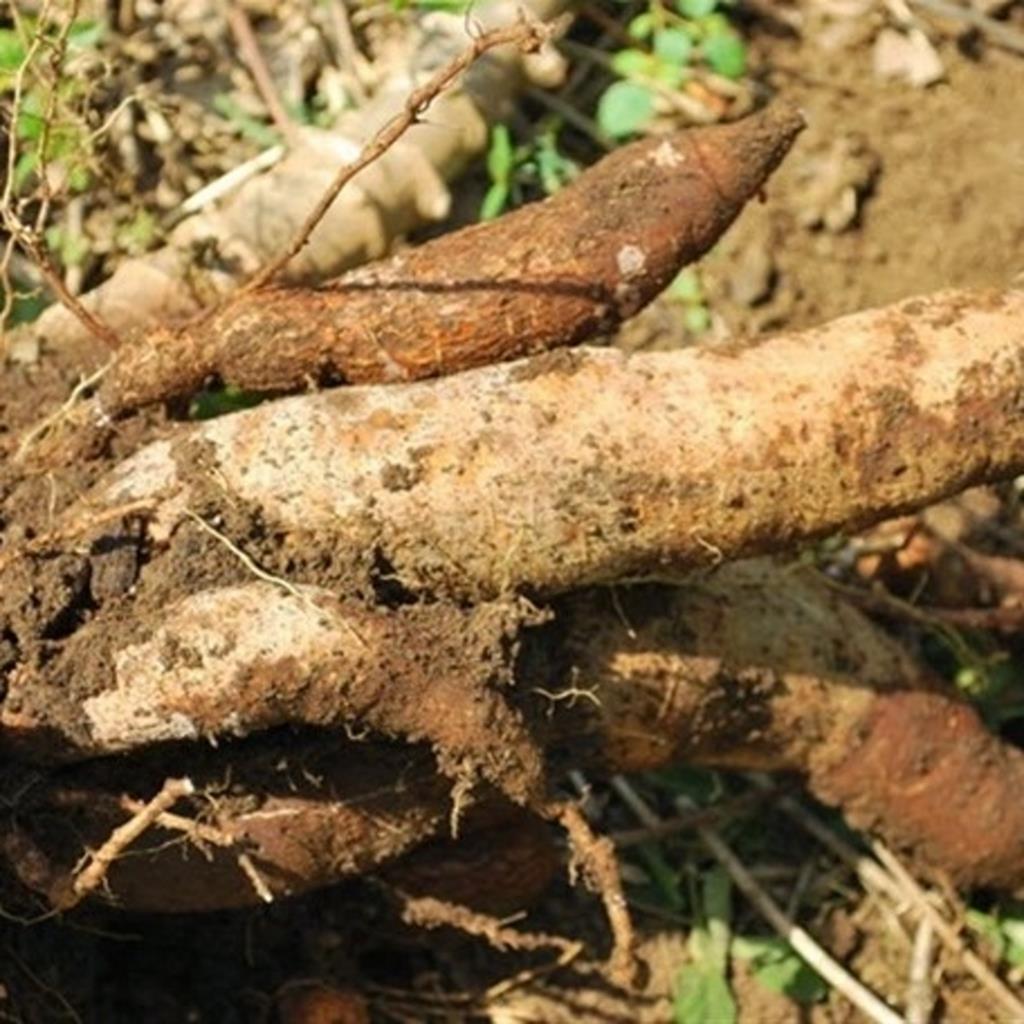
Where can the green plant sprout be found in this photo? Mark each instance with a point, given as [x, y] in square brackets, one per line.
[515, 170]
[446, 6]
[702, 991]
[47, 122]
[1003, 929]
[671, 42]
[688, 292]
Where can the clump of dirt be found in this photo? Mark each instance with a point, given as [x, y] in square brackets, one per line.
[933, 177]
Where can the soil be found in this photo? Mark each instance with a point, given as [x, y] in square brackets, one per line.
[936, 178]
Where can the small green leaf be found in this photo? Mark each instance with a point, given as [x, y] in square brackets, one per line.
[987, 925]
[209, 404]
[673, 45]
[668, 74]
[553, 169]
[624, 109]
[664, 877]
[12, 52]
[717, 898]
[697, 319]
[246, 126]
[686, 287]
[79, 178]
[702, 996]
[641, 26]
[499, 155]
[85, 34]
[25, 309]
[632, 63]
[776, 966]
[24, 169]
[726, 54]
[696, 8]
[138, 234]
[495, 201]
[792, 977]
[30, 117]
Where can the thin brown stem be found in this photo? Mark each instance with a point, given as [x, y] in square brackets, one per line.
[528, 35]
[249, 51]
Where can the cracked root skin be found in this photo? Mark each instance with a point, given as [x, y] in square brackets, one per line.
[751, 668]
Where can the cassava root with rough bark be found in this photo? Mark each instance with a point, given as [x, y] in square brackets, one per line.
[754, 667]
[550, 274]
[595, 466]
[520, 478]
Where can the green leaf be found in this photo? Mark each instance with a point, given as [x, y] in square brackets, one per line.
[632, 63]
[668, 74]
[24, 169]
[776, 966]
[25, 309]
[794, 978]
[209, 404]
[726, 54]
[664, 877]
[12, 52]
[495, 201]
[624, 109]
[696, 8]
[86, 34]
[500, 160]
[30, 117]
[673, 45]
[79, 178]
[246, 126]
[641, 26]
[553, 169]
[138, 234]
[702, 997]
[697, 319]
[686, 287]
[718, 913]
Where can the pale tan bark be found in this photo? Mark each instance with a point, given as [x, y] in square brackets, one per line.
[594, 466]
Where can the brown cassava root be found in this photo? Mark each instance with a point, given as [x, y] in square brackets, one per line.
[753, 668]
[550, 274]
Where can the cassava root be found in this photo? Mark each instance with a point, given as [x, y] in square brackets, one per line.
[547, 275]
[752, 668]
[594, 466]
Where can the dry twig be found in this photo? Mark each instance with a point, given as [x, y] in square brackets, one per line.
[802, 943]
[528, 35]
[92, 875]
[249, 50]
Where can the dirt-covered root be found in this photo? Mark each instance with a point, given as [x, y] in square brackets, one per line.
[771, 670]
[593, 466]
[612, 240]
[753, 667]
[235, 661]
[950, 788]
[272, 816]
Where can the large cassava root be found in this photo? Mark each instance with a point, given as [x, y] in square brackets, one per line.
[541, 476]
[753, 667]
[594, 466]
[550, 274]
